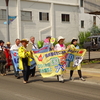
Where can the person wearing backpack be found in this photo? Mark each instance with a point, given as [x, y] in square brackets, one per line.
[2, 59]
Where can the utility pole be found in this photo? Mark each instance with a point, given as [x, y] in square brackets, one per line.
[7, 19]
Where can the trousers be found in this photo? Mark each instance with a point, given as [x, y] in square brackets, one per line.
[26, 69]
[79, 73]
[2, 68]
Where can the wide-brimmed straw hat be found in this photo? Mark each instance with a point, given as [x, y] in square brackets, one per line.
[24, 40]
[8, 43]
[60, 38]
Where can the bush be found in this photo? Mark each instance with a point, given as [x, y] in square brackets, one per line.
[40, 44]
[95, 30]
[66, 44]
[82, 38]
[55, 42]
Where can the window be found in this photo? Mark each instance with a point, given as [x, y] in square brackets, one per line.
[26, 15]
[65, 17]
[43, 16]
[81, 3]
[82, 24]
[2, 14]
[94, 20]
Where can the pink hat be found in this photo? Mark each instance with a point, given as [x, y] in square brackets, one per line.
[46, 41]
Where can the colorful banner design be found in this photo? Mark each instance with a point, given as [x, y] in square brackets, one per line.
[41, 50]
[56, 62]
[15, 57]
[10, 18]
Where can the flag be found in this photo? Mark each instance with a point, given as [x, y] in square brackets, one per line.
[10, 19]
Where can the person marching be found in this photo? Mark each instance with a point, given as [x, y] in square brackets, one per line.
[34, 46]
[8, 56]
[3, 60]
[24, 60]
[58, 47]
[15, 47]
[47, 43]
[75, 46]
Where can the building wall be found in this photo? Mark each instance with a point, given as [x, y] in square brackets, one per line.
[66, 29]
[40, 29]
[91, 5]
[61, 28]
[33, 27]
[13, 25]
[88, 20]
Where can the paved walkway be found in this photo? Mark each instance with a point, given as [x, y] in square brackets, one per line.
[91, 73]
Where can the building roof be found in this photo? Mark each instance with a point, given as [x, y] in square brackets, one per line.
[92, 6]
[95, 13]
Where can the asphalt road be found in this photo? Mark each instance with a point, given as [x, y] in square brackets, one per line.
[49, 89]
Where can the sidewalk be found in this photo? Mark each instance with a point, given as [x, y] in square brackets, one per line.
[90, 72]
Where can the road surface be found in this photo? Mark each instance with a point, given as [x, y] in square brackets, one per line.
[46, 89]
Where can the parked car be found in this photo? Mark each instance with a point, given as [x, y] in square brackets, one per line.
[92, 42]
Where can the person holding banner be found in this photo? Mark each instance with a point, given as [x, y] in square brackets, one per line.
[8, 56]
[75, 46]
[24, 60]
[15, 47]
[58, 47]
[48, 43]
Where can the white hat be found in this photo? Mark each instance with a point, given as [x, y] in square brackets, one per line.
[74, 38]
[60, 37]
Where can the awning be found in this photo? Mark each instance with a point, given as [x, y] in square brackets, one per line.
[95, 13]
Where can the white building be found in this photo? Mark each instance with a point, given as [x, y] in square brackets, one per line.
[40, 18]
[89, 14]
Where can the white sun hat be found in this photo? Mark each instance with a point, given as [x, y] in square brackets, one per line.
[60, 37]
[74, 38]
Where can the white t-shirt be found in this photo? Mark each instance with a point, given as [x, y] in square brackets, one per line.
[14, 47]
[58, 47]
[0, 48]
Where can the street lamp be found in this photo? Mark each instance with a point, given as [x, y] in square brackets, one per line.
[7, 18]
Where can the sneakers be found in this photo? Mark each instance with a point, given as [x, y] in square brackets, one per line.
[57, 77]
[60, 78]
[24, 82]
[4, 74]
[82, 79]
[18, 77]
[71, 78]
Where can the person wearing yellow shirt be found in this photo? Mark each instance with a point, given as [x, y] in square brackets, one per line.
[75, 46]
[24, 60]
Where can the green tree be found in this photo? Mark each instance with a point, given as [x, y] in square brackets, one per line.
[82, 37]
[95, 30]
